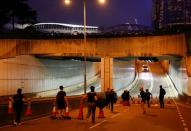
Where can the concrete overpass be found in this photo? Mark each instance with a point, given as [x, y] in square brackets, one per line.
[105, 48]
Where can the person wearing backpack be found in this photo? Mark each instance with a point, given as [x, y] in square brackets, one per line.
[162, 92]
[61, 102]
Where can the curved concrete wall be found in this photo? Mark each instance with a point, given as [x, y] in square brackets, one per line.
[37, 74]
[178, 74]
[123, 73]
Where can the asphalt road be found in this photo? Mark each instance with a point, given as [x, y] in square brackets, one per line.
[123, 119]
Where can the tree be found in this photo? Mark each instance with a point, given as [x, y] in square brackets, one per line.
[16, 11]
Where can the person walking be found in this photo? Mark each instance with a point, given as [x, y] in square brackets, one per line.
[148, 96]
[112, 99]
[18, 100]
[107, 95]
[143, 100]
[162, 92]
[92, 98]
[126, 97]
[61, 102]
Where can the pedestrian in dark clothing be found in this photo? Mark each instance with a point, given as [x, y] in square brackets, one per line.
[112, 99]
[107, 97]
[148, 96]
[162, 92]
[126, 97]
[143, 100]
[61, 102]
[92, 98]
[18, 106]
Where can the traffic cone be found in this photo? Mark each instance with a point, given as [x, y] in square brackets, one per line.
[101, 114]
[66, 114]
[169, 102]
[28, 110]
[80, 115]
[10, 106]
[54, 111]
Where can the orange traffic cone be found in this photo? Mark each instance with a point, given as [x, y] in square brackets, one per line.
[101, 114]
[10, 106]
[80, 115]
[54, 111]
[66, 114]
[28, 111]
[169, 102]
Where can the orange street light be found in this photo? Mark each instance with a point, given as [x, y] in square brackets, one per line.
[67, 2]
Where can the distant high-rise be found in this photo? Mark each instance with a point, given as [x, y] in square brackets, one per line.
[169, 14]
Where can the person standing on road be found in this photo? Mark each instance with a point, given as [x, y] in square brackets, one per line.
[148, 96]
[143, 99]
[107, 94]
[126, 97]
[61, 102]
[162, 92]
[92, 98]
[18, 100]
[112, 99]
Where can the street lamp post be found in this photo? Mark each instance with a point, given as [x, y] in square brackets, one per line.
[67, 2]
[85, 79]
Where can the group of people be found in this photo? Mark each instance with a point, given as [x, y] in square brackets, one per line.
[111, 98]
[145, 97]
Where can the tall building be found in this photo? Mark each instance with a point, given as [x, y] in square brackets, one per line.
[168, 14]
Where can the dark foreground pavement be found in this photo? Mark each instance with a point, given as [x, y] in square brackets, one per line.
[123, 119]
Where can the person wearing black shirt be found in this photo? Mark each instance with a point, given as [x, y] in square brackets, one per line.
[92, 98]
[126, 97]
[148, 96]
[107, 97]
[143, 100]
[112, 99]
[61, 102]
[162, 92]
[18, 106]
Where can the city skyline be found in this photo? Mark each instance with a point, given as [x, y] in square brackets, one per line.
[113, 13]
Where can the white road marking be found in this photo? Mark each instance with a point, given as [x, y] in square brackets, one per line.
[115, 115]
[97, 124]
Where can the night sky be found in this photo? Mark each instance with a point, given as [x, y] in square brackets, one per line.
[113, 13]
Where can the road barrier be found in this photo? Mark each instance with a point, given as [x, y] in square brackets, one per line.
[10, 106]
[40, 108]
